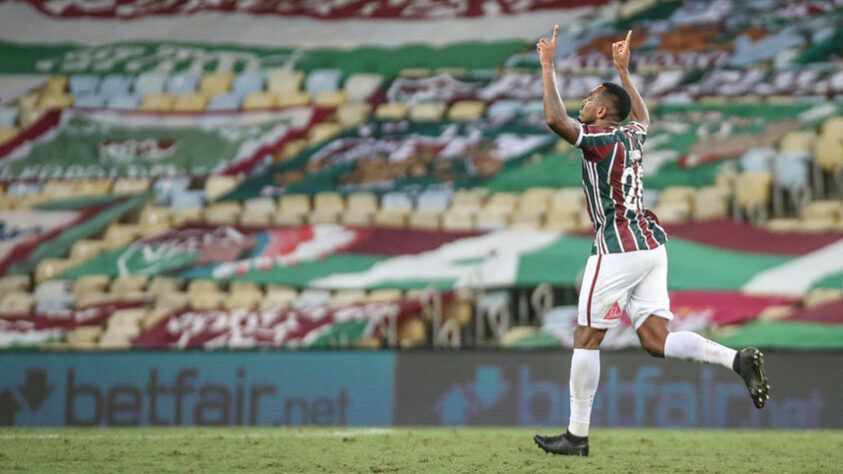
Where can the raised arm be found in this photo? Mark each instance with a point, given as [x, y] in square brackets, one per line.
[554, 110]
[620, 56]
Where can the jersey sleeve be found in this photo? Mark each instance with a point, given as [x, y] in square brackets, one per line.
[639, 130]
[596, 143]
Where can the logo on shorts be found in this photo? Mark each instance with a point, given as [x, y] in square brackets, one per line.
[614, 312]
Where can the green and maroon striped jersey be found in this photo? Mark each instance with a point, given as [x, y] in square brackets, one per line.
[612, 180]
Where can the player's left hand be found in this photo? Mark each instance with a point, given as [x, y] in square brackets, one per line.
[620, 52]
[547, 48]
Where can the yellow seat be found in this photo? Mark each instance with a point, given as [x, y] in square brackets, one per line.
[7, 134]
[353, 113]
[123, 186]
[213, 83]
[190, 102]
[293, 99]
[56, 84]
[85, 249]
[331, 98]
[392, 111]
[328, 201]
[467, 110]
[50, 268]
[829, 154]
[164, 284]
[90, 284]
[357, 217]
[428, 112]
[561, 220]
[218, 185]
[260, 100]
[117, 232]
[323, 216]
[832, 128]
[157, 102]
[427, 219]
[152, 216]
[284, 81]
[323, 131]
[59, 189]
[386, 295]
[55, 101]
[460, 219]
[255, 217]
[492, 218]
[347, 298]
[753, 188]
[527, 219]
[10, 283]
[832, 209]
[94, 187]
[294, 204]
[203, 285]
[391, 217]
[124, 284]
[502, 201]
[17, 302]
[362, 201]
[278, 297]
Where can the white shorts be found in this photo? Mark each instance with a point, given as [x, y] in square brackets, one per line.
[634, 281]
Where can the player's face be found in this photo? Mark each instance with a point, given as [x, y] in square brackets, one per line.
[592, 106]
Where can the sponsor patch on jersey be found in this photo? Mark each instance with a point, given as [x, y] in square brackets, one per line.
[614, 312]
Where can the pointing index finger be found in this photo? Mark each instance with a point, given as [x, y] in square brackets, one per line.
[628, 36]
[555, 32]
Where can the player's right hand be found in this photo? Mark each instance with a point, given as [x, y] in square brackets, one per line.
[547, 48]
[620, 52]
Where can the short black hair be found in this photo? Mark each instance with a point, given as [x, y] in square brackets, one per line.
[619, 99]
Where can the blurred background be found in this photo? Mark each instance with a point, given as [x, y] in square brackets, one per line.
[219, 186]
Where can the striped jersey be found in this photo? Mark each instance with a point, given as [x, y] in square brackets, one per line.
[612, 174]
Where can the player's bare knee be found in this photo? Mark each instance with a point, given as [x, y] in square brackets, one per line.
[588, 338]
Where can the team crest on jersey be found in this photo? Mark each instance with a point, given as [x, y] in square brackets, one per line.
[614, 312]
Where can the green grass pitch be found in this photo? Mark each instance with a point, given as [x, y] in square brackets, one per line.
[450, 450]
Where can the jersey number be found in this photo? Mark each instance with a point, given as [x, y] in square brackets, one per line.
[632, 175]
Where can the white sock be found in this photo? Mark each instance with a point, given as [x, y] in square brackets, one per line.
[585, 373]
[687, 345]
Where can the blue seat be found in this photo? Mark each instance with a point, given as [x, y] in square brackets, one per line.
[247, 82]
[396, 200]
[150, 82]
[321, 80]
[434, 200]
[8, 116]
[183, 83]
[791, 169]
[83, 83]
[89, 101]
[188, 199]
[757, 159]
[226, 101]
[113, 85]
[23, 189]
[124, 102]
[166, 188]
[504, 108]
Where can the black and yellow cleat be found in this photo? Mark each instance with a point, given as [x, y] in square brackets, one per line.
[748, 364]
[565, 444]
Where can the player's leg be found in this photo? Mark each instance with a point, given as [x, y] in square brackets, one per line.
[601, 291]
[649, 311]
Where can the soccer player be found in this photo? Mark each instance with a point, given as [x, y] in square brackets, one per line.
[627, 268]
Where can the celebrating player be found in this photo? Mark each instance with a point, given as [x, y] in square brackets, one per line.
[627, 268]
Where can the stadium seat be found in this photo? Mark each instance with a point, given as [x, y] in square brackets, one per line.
[433, 200]
[466, 110]
[385, 295]
[284, 81]
[192, 199]
[149, 83]
[190, 102]
[182, 83]
[396, 200]
[295, 203]
[323, 216]
[222, 213]
[526, 219]
[503, 109]
[46, 303]
[293, 99]
[710, 202]
[391, 217]
[816, 225]
[353, 113]
[213, 83]
[428, 112]
[392, 111]
[829, 154]
[331, 98]
[125, 186]
[124, 102]
[17, 303]
[59, 189]
[537, 198]
[228, 101]
[260, 100]
[467, 200]
[361, 86]
[561, 220]
[55, 101]
[93, 187]
[50, 268]
[159, 285]
[248, 82]
[356, 217]
[114, 85]
[757, 159]
[7, 133]
[166, 188]
[151, 216]
[124, 284]
[128, 317]
[247, 297]
[84, 249]
[217, 186]
[503, 201]
[797, 141]
[284, 219]
[832, 128]
[83, 337]
[56, 84]
[328, 201]
[321, 80]
[492, 218]
[83, 84]
[753, 188]
[312, 298]
[172, 301]
[415, 72]
[158, 102]
[459, 219]
[673, 212]
[426, 219]
[20, 188]
[362, 201]
[259, 204]
[347, 298]
[121, 233]
[831, 209]
[90, 101]
[278, 297]
[323, 132]
[10, 283]
[8, 117]
[93, 298]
